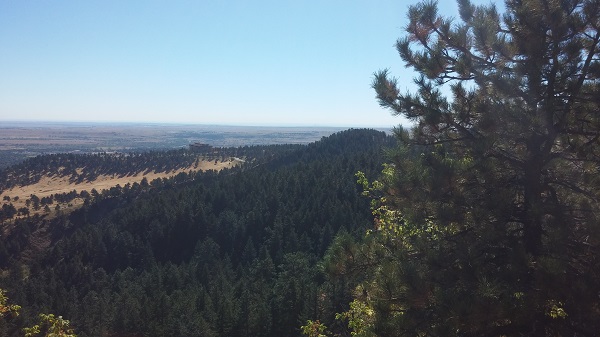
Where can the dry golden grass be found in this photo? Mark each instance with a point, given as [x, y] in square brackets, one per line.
[49, 185]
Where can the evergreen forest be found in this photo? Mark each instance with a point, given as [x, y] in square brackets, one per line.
[233, 253]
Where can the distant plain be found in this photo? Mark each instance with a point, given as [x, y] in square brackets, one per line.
[20, 140]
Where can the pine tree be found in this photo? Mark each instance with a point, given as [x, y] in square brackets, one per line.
[488, 224]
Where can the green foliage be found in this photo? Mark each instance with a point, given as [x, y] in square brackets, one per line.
[487, 217]
[360, 318]
[7, 308]
[313, 329]
[51, 326]
[556, 310]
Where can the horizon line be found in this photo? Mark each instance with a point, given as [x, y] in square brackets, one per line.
[165, 123]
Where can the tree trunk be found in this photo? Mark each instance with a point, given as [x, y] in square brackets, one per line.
[533, 211]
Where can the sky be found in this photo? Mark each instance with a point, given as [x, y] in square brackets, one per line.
[238, 62]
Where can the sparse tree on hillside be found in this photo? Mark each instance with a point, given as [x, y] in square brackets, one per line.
[36, 201]
[23, 211]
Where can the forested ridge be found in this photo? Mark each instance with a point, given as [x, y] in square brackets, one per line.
[61, 182]
[232, 253]
[87, 167]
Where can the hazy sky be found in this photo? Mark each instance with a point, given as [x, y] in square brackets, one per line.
[303, 62]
